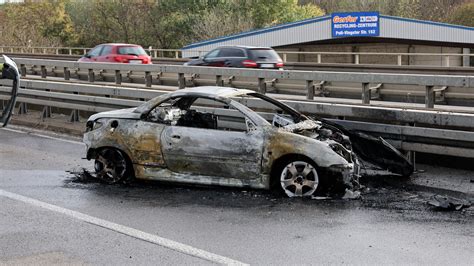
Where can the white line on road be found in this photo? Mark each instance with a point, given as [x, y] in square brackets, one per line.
[42, 136]
[164, 242]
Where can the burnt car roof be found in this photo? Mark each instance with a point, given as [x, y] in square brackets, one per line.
[213, 91]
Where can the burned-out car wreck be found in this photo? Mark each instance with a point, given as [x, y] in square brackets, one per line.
[233, 137]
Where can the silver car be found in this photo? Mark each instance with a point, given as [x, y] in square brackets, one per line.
[232, 137]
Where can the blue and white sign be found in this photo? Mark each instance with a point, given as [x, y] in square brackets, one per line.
[355, 24]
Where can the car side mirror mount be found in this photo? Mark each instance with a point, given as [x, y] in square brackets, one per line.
[250, 125]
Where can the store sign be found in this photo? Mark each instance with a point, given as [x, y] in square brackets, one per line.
[355, 24]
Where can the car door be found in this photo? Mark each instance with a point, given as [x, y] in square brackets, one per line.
[105, 54]
[213, 59]
[212, 152]
[216, 151]
[93, 54]
[231, 57]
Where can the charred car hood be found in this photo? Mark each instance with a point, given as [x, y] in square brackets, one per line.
[121, 113]
[374, 153]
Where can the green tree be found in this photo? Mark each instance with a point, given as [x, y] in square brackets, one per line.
[37, 23]
[464, 15]
[232, 16]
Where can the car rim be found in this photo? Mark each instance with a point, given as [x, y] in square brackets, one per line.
[110, 165]
[299, 179]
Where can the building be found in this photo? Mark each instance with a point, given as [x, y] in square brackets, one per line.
[364, 32]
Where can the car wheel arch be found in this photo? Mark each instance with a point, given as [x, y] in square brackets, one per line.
[92, 153]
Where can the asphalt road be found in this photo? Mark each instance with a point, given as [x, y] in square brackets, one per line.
[50, 212]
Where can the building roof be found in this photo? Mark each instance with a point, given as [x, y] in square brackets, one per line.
[319, 29]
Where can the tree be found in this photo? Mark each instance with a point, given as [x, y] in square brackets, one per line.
[464, 15]
[37, 23]
[232, 16]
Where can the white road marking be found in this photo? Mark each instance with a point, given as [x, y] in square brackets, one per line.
[164, 242]
[42, 136]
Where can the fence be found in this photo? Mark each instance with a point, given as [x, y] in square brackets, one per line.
[413, 129]
[177, 53]
[311, 83]
[394, 124]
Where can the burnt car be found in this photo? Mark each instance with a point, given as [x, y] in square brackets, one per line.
[211, 136]
[9, 71]
[239, 56]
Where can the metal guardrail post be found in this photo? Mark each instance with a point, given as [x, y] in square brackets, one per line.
[399, 60]
[356, 59]
[284, 57]
[429, 97]
[181, 81]
[309, 90]
[262, 86]
[23, 109]
[46, 110]
[176, 54]
[70, 51]
[148, 79]
[365, 93]
[74, 117]
[446, 58]
[219, 80]
[319, 58]
[91, 75]
[118, 77]
[23, 70]
[44, 72]
[67, 73]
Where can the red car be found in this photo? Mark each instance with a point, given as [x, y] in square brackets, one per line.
[117, 53]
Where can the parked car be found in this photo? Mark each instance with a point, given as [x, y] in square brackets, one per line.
[117, 53]
[9, 70]
[207, 135]
[240, 56]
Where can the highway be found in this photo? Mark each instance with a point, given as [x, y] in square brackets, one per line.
[52, 213]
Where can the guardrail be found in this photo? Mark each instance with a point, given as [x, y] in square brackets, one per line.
[433, 88]
[428, 131]
[178, 53]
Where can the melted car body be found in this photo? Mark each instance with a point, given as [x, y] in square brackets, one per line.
[207, 135]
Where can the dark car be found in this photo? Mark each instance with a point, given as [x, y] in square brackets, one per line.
[117, 53]
[240, 56]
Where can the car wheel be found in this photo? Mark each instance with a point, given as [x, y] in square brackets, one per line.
[299, 179]
[112, 166]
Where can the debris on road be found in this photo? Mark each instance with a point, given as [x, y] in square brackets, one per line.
[320, 198]
[351, 194]
[448, 203]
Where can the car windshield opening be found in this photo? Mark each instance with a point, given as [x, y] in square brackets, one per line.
[275, 112]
